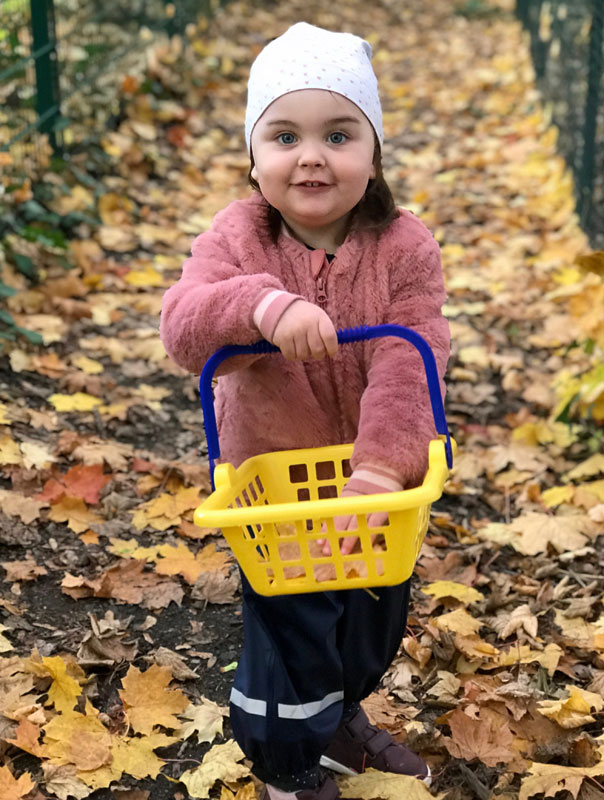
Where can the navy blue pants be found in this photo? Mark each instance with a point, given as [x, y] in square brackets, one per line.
[307, 661]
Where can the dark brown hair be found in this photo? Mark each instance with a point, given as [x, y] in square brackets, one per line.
[374, 211]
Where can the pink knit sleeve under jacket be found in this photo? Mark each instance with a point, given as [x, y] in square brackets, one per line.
[372, 393]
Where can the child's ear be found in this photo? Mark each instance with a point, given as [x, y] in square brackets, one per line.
[372, 173]
[254, 173]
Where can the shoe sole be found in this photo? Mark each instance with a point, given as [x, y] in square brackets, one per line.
[335, 766]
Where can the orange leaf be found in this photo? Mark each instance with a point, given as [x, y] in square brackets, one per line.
[86, 481]
[74, 511]
[27, 738]
[12, 788]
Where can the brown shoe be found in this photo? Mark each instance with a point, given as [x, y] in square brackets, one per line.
[327, 790]
[359, 745]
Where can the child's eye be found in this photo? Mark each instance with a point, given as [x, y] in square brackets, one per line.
[337, 137]
[286, 138]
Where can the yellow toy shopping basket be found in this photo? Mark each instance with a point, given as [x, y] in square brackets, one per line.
[275, 507]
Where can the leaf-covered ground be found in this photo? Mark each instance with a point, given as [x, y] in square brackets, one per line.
[121, 619]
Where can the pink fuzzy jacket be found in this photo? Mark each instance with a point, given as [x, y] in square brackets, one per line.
[372, 393]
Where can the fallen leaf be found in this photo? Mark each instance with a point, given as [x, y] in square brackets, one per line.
[148, 701]
[74, 511]
[575, 710]
[441, 589]
[79, 401]
[26, 570]
[549, 779]
[12, 788]
[374, 785]
[205, 720]
[220, 763]
[479, 738]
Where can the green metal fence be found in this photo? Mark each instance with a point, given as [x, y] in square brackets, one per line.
[57, 54]
[567, 51]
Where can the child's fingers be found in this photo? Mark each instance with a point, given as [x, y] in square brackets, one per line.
[329, 335]
[348, 544]
[315, 343]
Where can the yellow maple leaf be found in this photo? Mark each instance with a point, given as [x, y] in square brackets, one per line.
[87, 365]
[375, 785]
[220, 763]
[78, 739]
[458, 621]
[66, 678]
[557, 495]
[549, 779]
[180, 560]
[148, 701]
[135, 756]
[549, 657]
[12, 788]
[79, 401]
[465, 594]
[594, 465]
[75, 512]
[144, 277]
[9, 451]
[573, 711]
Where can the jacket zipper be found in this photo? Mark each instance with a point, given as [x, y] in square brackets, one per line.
[322, 302]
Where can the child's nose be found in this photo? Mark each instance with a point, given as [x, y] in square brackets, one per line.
[311, 156]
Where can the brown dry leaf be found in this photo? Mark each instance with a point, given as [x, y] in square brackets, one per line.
[164, 657]
[531, 533]
[17, 505]
[220, 763]
[26, 570]
[216, 587]
[127, 583]
[446, 688]
[479, 738]
[75, 512]
[148, 701]
[204, 719]
[374, 785]
[521, 618]
[63, 781]
[96, 451]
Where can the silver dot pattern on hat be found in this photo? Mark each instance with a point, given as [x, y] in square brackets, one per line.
[307, 57]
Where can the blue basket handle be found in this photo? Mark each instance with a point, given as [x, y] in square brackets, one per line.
[360, 334]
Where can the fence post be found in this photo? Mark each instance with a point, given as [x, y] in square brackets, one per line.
[48, 102]
[591, 112]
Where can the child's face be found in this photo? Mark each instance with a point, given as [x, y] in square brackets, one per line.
[314, 136]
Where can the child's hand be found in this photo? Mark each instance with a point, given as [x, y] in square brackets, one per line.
[366, 479]
[305, 331]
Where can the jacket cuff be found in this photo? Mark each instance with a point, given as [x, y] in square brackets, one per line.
[269, 309]
[373, 479]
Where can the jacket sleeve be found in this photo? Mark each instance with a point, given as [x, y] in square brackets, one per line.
[396, 422]
[212, 305]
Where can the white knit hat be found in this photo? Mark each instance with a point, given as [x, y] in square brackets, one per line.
[307, 57]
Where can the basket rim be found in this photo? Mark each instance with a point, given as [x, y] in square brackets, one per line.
[213, 511]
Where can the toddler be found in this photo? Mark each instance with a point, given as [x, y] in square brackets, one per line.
[319, 245]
